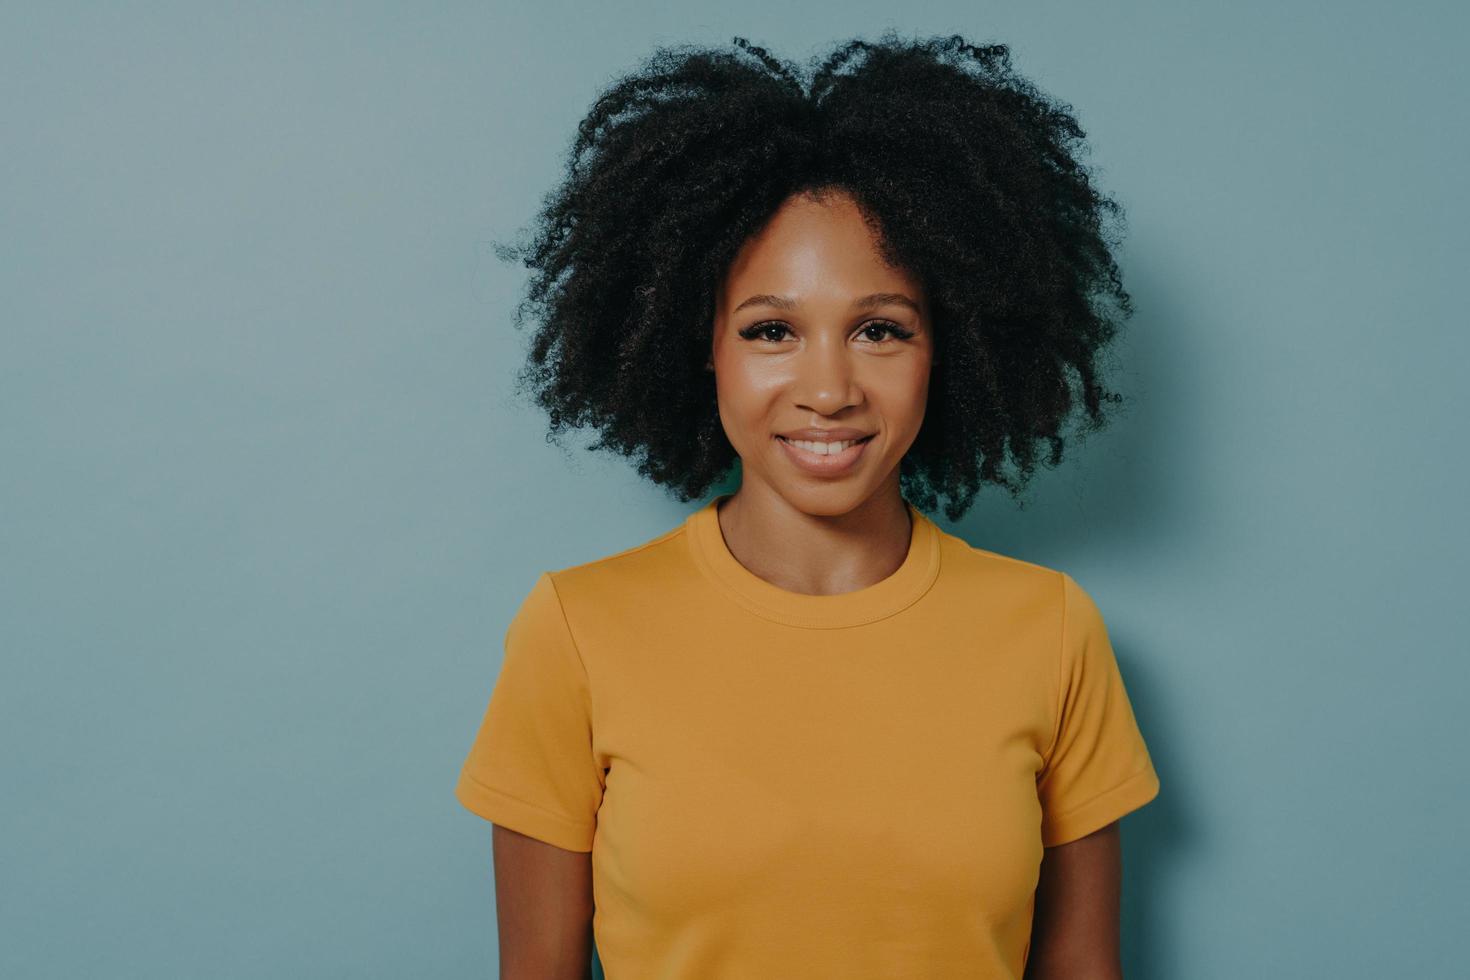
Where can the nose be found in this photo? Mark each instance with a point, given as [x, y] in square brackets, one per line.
[826, 382]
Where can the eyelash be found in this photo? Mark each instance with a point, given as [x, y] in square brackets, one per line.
[756, 329]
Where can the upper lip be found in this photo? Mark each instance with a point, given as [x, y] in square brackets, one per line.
[824, 435]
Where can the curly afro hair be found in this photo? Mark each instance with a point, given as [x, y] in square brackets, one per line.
[968, 174]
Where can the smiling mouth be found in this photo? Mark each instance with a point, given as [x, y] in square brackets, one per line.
[828, 448]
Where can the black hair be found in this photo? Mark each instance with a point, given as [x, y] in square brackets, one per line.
[971, 176]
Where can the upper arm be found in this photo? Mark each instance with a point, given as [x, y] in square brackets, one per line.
[543, 908]
[533, 773]
[1074, 933]
[1097, 768]
[532, 765]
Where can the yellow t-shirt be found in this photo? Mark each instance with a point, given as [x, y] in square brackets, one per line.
[775, 784]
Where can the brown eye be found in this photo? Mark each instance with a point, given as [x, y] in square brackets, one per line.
[758, 329]
[887, 326]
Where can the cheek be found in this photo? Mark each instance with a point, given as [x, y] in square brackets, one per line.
[747, 401]
[746, 387]
[901, 396]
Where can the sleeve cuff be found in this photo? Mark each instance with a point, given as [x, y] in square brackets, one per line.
[518, 815]
[1101, 810]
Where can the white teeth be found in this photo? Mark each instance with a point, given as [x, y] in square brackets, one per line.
[822, 448]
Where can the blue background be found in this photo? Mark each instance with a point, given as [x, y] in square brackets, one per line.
[268, 503]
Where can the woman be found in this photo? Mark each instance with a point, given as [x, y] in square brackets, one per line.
[806, 733]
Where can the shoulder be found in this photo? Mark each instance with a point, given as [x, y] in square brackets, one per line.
[1023, 586]
[648, 564]
[985, 568]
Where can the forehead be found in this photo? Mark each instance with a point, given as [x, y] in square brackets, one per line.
[813, 248]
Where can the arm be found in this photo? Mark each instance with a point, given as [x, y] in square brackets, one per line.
[543, 903]
[1074, 934]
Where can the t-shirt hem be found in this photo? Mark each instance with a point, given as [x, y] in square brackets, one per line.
[1101, 810]
[516, 814]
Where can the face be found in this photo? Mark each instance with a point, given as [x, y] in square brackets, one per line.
[813, 329]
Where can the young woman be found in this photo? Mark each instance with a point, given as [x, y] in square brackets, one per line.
[807, 733]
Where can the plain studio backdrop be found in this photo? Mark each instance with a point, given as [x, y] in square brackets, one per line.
[267, 503]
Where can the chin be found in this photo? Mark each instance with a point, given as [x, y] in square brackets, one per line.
[825, 498]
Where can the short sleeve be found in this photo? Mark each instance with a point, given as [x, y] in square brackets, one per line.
[1098, 767]
[531, 767]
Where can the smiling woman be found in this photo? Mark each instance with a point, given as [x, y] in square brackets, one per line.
[968, 181]
[807, 732]
[831, 346]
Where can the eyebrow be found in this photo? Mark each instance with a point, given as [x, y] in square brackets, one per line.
[868, 302]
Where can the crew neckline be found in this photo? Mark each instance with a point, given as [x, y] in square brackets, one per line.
[878, 601]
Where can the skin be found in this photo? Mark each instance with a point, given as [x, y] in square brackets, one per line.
[820, 358]
[824, 361]
[1074, 933]
[543, 908]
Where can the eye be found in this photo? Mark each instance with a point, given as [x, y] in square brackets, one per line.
[763, 329]
[888, 326]
[757, 329]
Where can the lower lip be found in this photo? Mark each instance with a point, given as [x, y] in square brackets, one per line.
[820, 464]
